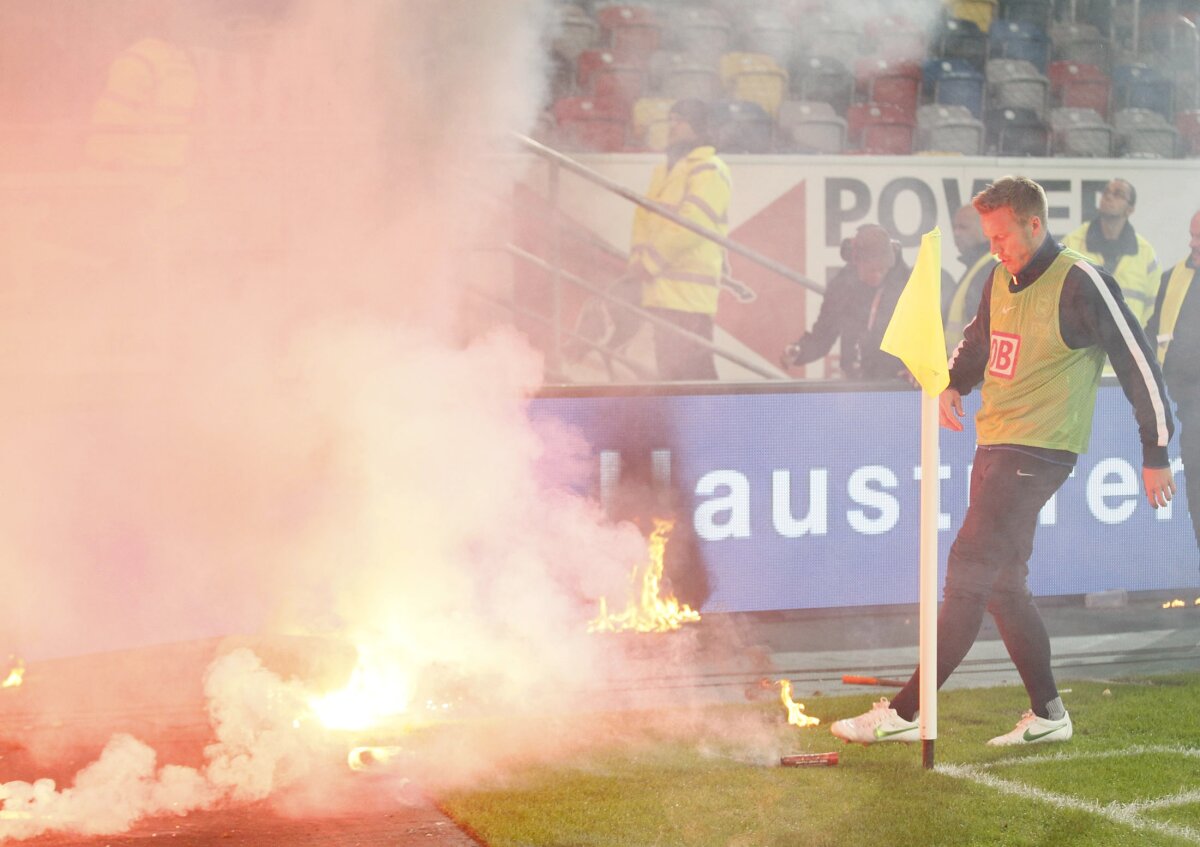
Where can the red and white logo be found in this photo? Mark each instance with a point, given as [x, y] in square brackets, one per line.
[1002, 362]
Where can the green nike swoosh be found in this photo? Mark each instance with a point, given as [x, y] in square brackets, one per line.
[1029, 736]
[885, 733]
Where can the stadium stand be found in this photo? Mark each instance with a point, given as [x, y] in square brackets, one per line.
[809, 76]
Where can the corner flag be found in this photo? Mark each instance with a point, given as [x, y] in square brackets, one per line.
[915, 333]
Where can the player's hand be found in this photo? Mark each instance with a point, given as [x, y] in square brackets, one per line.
[1160, 485]
[950, 409]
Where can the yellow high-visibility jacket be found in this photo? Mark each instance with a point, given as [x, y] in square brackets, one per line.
[685, 269]
[1137, 274]
[142, 120]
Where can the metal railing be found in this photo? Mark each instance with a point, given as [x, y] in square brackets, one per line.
[559, 276]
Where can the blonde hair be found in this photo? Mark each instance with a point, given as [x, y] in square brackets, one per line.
[1019, 193]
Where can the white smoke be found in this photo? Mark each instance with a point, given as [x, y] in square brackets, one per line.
[269, 415]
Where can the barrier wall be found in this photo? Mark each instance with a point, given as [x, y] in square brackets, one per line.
[797, 210]
[805, 500]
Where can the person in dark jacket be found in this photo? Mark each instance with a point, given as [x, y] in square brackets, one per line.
[857, 307]
[1176, 326]
[1046, 320]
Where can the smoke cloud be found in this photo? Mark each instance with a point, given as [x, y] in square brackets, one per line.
[248, 401]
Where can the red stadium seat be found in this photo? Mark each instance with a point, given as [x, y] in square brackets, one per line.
[1077, 85]
[880, 128]
[1188, 124]
[603, 75]
[590, 125]
[891, 82]
[631, 32]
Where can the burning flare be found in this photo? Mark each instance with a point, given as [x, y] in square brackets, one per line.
[14, 676]
[795, 711]
[647, 611]
[377, 691]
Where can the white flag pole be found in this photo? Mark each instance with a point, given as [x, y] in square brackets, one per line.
[929, 574]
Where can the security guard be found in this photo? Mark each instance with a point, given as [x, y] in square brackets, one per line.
[679, 271]
[1110, 241]
[1176, 324]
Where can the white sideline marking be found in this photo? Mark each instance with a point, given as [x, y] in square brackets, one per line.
[1128, 814]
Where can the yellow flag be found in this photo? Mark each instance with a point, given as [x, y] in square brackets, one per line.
[915, 333]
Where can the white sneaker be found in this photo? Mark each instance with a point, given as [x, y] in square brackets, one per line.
[1031, 729]
[880, 724]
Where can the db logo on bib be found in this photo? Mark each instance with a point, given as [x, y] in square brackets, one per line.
[1002, 362]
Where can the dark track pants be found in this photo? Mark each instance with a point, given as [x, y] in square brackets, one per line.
[988, 569]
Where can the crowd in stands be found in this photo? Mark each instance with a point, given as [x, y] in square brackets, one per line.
[969, 77]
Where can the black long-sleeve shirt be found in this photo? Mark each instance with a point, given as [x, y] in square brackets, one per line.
[858, 314]
[1091, 312]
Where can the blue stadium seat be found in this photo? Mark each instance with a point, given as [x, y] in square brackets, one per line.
[1143, 87]
[1019, 40]
[953, 82]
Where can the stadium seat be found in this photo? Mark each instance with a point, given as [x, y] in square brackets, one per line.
[961, 40]
[1040, 13]
[755, 77]
[680, 75]
[895, 38]
[1080, 43]
[650, 125]
[602, 75]
[630, 32]
[1080, 132]
[589, 125]
[833, 35]
[1144, 134]
[894, 82]
[1019, 40]
[880, 129]
[953, 82]
[1143, 87]
[825, 79]
[1079, 86]
[741, 127]
[576, 32]
[1017, 84]
[702, 33]
[949, 129]
[1188, 125]
[810, 127]
[1169, 41]
[1013, 131]
[768, 31]
[979, 12]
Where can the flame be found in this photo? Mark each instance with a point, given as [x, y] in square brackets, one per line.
[1174, 604]
[14, 676]
[376, 692]
[796, 716]
[648, 612]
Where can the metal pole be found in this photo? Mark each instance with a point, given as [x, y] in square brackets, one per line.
[555, 271]
[633, 197]
[698, 340]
